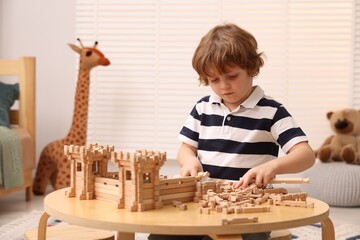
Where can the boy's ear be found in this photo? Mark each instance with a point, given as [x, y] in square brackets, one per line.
[250, 72]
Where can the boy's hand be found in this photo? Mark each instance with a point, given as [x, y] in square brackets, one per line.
[260, 175]
[191, 168]
[187, 158]
[299, 158]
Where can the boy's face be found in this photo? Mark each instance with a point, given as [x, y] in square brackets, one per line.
[233, 87]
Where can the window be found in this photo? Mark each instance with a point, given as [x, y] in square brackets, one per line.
[127, 175]
[143, 98]
[96, 167]
[78, 166]
[147, 178]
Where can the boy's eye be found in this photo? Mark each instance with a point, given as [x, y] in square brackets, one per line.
[213, 80]
[233, 76]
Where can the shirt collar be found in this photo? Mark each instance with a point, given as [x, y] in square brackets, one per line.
[250, 102]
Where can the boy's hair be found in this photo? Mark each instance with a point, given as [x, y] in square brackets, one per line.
[225, 46]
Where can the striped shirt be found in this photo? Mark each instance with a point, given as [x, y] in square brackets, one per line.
[230, 143]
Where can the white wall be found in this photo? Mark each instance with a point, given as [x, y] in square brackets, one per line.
[42, 28]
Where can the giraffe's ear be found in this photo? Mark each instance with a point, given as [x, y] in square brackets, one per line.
[75, 48]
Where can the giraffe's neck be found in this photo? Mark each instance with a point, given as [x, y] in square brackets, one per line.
[78, 130]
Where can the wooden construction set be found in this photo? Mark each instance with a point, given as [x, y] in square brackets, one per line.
[138, 185]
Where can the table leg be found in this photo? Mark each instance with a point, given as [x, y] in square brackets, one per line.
[125, 236]
[327, 228]
[226, 237]
[42, 226]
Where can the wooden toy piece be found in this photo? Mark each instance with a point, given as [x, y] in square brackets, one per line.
[218, 208]
[261, 199]
[275, 190]
[181, 206]
[290, 180]
[202, 175]
[52, 164]
[204, 210]
[291, 203]
[228, 210]
[176, 203]
[239, 220]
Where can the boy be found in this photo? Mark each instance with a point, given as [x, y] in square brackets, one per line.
[237, 131]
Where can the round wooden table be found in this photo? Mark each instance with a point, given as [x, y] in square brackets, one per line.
[169, 220]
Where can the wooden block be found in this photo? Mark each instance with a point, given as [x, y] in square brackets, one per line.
[176, 203]
[70, 193]
[228, 210]
[202, 175]
[290, 180]
[255, 209]
[205, 210]
[212, 204]
[203, 203]
[232, 198]
[182, 207]
[275, 190]
[296, 204]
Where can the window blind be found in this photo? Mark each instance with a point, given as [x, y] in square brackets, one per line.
[143, 98]
[356, 58]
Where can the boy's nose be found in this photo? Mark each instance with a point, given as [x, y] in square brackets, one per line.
[224, 84]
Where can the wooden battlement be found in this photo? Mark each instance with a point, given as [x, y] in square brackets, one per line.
[92, 149]
[140, 156]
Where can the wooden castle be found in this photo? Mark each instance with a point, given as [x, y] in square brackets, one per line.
[138, 185]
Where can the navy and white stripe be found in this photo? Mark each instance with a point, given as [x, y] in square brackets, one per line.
[230, 143]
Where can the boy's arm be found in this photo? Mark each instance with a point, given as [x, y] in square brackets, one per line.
[299, 158]
[188, 161]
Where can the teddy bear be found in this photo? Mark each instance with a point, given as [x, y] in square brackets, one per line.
[343, 145]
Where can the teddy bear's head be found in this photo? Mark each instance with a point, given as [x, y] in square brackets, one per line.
[345, 121]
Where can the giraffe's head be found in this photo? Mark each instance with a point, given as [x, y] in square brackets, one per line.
[90, 56]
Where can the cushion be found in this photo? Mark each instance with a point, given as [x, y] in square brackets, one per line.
[27, 149]
[8, 94]
[336, 183]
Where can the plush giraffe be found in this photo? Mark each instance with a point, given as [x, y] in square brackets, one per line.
[53, 163]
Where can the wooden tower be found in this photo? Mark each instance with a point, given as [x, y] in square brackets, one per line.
[139, 179]
[86, 163]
